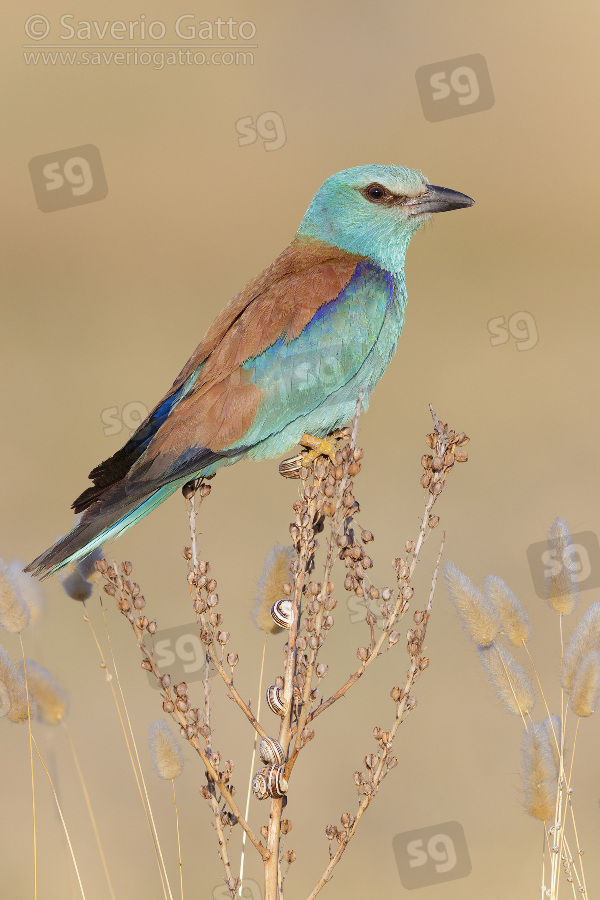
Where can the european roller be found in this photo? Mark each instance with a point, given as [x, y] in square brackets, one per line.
[283, 363]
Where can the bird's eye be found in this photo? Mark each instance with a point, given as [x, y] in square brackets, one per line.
[376, 193]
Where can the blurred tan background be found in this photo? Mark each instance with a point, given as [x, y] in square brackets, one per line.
[102, 304]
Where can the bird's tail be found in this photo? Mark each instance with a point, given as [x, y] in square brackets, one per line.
[96, 526]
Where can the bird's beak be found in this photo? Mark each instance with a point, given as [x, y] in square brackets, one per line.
[437, 199]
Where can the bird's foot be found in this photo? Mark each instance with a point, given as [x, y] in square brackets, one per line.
[315, 447]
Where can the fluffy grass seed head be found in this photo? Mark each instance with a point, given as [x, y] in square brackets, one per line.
[477, 615]
[554, 732]
[586, 685]
[13, 691]
[584, 639]
[51, 701]
[539, 773]
[30, 588]
[78, 577]
[561, 584]
[14, 613]
[509, 680]
[275, 573]
[514, 621]
[165, 751]
[87, 565]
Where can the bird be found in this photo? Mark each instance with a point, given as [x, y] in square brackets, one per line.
[284, 361]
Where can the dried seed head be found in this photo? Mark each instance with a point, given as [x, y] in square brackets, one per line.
[393, 637]
[232, 659]
[151, 627]
[396, 694]
[146, 664]
[51, 701]
[513, 618]
[538, 773]
[561, 583]
[165, 681]
[285, 826]
[584, 639]
[223, 637]
[14, 613]
[322, 670]
[30, 589]
[509, 680]
[165, 751]
[13, 693]
[476, 613]
[168, 706]
[363, 653]
[371, 761]
[586, 685]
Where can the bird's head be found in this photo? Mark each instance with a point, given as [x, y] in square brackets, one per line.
[375, 210]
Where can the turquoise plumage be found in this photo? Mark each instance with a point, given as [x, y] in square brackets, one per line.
[285, 359]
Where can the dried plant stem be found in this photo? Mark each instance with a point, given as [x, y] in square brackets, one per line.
[180, 717]
[62, 819]
[103, 665]
[178, 838]
[399, 609]
[137, 756]
[35, 890]
[402, 709]
[336, 524]
[89, 808]
[214, 804]
[260, 682]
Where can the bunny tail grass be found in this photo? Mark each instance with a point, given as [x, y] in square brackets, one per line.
[94, 529]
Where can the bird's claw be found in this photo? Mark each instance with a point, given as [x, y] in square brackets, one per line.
[315, 447]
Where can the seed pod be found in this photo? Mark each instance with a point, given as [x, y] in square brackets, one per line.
[275, 700]
[322, 670]
[271, 752]
[269, 782]
[363, 653]
[232, 659]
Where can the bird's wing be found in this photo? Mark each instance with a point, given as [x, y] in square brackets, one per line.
[214, 399]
